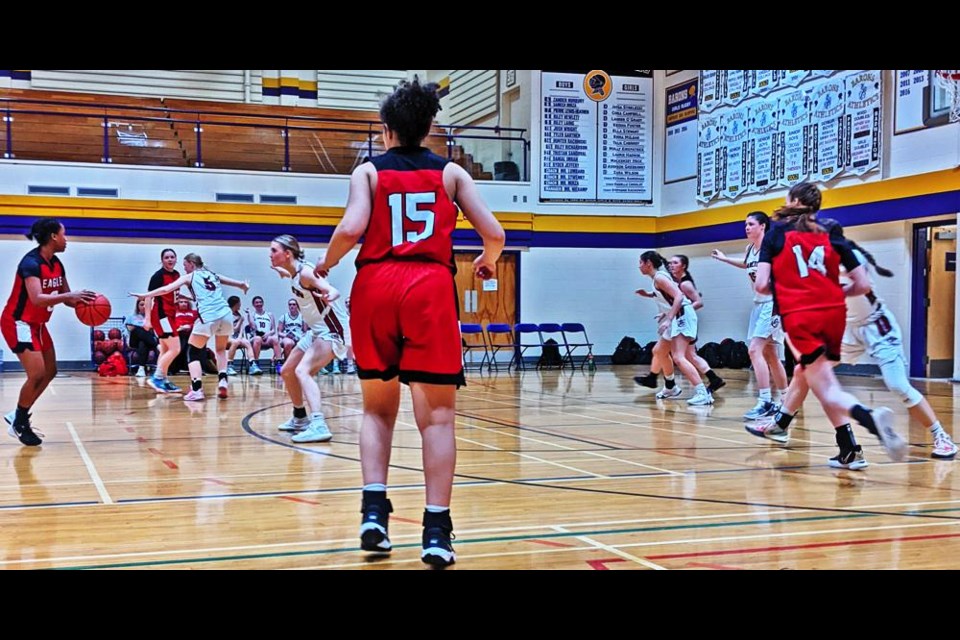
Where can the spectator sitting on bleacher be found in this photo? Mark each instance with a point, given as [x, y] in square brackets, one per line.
[140, 339]
[290, 327]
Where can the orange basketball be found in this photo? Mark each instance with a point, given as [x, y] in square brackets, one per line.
[95, 313]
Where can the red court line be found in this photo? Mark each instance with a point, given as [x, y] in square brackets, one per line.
[405, 520]
[171, 464]
[601, 565]
[303, 500]
[220, 482]
[155, 452]
[550, 543]
[814, 545]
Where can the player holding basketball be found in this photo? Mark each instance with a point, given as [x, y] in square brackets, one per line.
[216, 319]
[40, 283]
[404, 308]
[160, 314]
[765, 335]
[800, 264]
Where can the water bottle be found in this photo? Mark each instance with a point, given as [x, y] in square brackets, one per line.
[591, 365]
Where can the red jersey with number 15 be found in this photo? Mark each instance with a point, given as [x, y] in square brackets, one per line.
[805, 267]
[52, 277]
[412, 218]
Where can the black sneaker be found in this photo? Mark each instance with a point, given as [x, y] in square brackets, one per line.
[716, 385]
[25, 434]
[437, 537]
[650, 381]
[852, 459]
[374, 526]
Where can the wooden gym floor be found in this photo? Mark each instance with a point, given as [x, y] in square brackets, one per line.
[556, 471]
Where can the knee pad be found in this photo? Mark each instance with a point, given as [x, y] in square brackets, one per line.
[895, 377]
[193, 353]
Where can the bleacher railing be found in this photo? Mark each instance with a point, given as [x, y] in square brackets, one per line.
[129, 134]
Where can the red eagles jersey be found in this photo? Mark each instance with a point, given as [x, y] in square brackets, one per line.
[52, 277]
[412, 217]
[164, 306]
[805, 267]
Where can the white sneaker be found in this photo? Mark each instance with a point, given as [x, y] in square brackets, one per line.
[9, 417]
[943, 447]
[231, 371]
[762, 408]
[665, 393]
[318, 431]
[295, 424]
[701, 398]
[892, 441]
[223, 388]
[194, 396]
[141, 372]
[255, 369]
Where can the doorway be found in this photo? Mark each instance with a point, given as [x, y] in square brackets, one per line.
[934, 299]
[486, 301]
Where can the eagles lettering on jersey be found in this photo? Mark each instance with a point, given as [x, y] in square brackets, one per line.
[52, 278]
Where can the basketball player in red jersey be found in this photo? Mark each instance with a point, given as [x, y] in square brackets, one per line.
[404, 306]
[40, 283]
[161, 313]
[800, 264]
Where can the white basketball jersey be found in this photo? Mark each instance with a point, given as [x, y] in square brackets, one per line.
[292, 327]
[208, 293]
[261, 322]
[860, 308]
[663, 302]
[317, 313]
[751, 259]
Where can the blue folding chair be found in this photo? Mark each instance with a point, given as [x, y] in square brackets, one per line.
[525, 329]
[575, 337]
[548, 329]
[468, 334]
[499, 337]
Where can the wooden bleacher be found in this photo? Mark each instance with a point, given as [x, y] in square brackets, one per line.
[233, 136]
[48, 131]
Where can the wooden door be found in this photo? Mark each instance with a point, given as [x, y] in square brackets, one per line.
[492, 301]
[941, 292]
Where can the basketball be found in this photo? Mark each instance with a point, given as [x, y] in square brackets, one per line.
[95, 313]
[114, 334]
[98, 335]
[99, 357]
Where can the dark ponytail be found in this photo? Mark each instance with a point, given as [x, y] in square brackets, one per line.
[43, 229]
[881, 271]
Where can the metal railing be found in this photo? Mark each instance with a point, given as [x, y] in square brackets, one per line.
[204, 138]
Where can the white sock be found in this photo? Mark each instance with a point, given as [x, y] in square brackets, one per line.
[375, 486]
[765, 395]
[936, 428]
[432, 508]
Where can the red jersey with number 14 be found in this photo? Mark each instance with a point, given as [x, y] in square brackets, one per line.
[805, 267]
[412, 216]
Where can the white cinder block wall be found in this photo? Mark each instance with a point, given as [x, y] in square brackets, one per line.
[591, 286]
